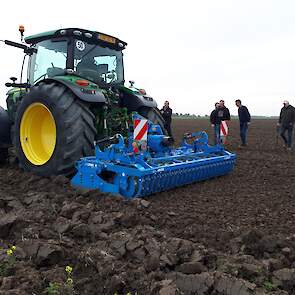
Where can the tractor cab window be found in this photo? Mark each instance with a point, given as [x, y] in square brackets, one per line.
[98, 64]
[49, 61]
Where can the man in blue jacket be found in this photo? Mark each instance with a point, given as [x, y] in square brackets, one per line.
[245, 118]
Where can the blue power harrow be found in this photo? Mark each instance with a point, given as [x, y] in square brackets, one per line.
[140, 168]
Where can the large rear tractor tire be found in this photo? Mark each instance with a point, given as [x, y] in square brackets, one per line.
[3, 155]
[52, 130]
[154, 115]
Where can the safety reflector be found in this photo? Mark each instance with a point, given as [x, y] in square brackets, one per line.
[140, 129]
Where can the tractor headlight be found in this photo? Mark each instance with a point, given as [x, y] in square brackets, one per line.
[77, 33]
[63, 32]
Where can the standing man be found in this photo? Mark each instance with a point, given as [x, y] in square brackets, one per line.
[225, 118]
[224, 111]
[221, 113]
[286, 122]
[244, 118]
[166, 112]
[215, 123]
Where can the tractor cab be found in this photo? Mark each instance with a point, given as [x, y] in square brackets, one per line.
[91, 55]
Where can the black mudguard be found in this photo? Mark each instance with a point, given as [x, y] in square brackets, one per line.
[96, 97]
[5, 126]
[134, 102]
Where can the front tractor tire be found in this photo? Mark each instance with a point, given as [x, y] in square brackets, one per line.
[52, 130]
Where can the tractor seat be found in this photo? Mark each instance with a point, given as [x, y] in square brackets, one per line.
[51, 72]
[90, 75]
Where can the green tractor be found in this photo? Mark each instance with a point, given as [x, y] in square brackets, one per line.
[74, 94]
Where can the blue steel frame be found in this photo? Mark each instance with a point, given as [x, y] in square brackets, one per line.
[119, 170]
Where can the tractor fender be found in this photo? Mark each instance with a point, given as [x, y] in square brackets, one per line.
[5, 123]
[133, 102]
[95, 97]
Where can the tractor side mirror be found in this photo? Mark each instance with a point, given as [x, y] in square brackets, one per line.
[13, 84]
[9, 84]
[27, 50]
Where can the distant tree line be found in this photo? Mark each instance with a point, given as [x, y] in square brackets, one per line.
[193, 116]
[187, 115]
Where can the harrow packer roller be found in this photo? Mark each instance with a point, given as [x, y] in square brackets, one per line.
[153, 168]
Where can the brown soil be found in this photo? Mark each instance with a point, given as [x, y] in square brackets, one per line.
[230, 235]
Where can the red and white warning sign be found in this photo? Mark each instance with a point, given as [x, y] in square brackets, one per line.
[140, 129]
[223, 128]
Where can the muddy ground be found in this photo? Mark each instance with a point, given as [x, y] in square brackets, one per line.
[231, 235]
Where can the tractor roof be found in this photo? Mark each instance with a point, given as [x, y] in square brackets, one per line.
[86, 35]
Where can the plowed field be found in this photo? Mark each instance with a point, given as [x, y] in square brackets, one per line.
[230, 235]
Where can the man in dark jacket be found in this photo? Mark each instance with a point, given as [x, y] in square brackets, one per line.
[244, 118]
[215, 121]
[286, 122]
[221, 113]
[167, 115]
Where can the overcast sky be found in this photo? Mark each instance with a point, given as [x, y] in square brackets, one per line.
[191, 53]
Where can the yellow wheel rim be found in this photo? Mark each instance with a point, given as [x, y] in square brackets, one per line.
[38, 133]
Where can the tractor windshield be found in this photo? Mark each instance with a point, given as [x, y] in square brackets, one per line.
[91, 61]
[49, 61]
[97, 63]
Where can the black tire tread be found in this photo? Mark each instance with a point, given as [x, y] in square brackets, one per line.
[3, 155]
[79, 131]
[154, 115]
